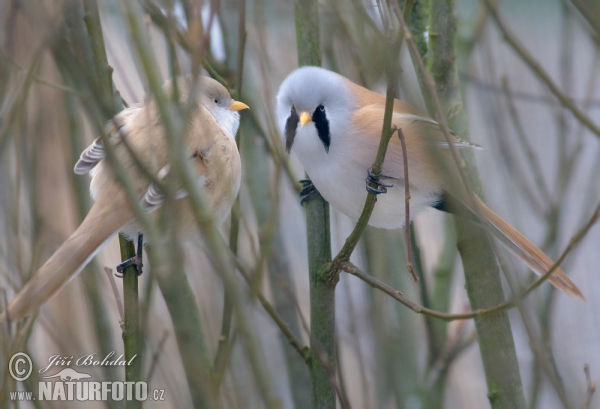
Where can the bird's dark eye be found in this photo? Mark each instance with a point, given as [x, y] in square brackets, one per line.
[321, 108]
[216, 100]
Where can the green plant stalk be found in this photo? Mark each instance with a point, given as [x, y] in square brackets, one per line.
[278, 271]
[131, 324]
[131, 320]
[483, 281]
[175, 287]
[394, 42]
[204, 220]
[90, 278]
[318, 235]
[324, 275]
[181, 303]
[443, 273]
[98, 51]
[221, 355]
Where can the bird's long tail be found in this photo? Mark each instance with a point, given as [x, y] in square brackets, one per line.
[98, 227]
[535, 258]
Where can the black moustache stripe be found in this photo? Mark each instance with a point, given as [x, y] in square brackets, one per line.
[290, 129]
[322, 124]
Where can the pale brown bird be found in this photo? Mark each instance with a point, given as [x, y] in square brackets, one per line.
[334, 126]
[210, 145]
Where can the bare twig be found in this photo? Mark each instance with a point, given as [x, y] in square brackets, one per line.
[539, 71]
[529, 151]
[409, 255]
[59, 87]
[222, 348]
[283, 326]
[317, 352]
[156, 355]
[591, 387]
[397, 295]
[440, 116]
[115, 290]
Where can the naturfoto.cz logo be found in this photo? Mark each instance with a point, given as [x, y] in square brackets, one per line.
[69, 384]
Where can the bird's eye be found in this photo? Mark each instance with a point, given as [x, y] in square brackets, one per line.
[321, 108]
[216, 100]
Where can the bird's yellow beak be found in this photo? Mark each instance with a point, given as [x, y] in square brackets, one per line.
[304, 118]
[238, 106]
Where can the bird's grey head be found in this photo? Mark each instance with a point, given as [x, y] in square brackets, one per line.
[213, 96]
[313, 95]
[222, 107]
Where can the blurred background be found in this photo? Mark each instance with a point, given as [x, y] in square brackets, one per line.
[539, 168]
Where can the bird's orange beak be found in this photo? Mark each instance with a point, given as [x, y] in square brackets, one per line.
[305, 118]
[238, 106]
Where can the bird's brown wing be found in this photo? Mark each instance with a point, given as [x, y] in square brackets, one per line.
[94, 153]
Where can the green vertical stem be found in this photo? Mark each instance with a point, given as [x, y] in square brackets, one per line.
[258, 164]
[322, 292]
[236, 211]
[482, 275]
[131, 324]
[306, 18]
[95, 55]
[187, 326]
[98, 51]
[90, 277]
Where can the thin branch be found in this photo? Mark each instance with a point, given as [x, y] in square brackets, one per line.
[481, 85]
[318, 353]
[377, 167]
[303, 350]
[591, 387]
[439, 112]
[37, 78]
[409, 255]
[156, 355]
[540, 72]
[221, 356]
[115, 291]
[397, 295]
[529, 151]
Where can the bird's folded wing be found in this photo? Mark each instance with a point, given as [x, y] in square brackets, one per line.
[94, 153]
[435, 131]
[154, 197]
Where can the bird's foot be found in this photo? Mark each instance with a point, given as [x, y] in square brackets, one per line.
[374, 178]
[133, 261]
[308, 190]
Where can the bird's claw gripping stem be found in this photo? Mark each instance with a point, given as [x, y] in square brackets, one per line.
[308, 191]
[133, 261]
[374, 178]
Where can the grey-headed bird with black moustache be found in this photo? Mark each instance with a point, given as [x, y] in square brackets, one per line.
[334, 126]
[214, 158]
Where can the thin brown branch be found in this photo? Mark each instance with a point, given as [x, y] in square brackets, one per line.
[397, 295]
[156, 355]
[221, 356]
[317, 352]
[529, 151]
[439, 112]
[409, 255]
[303, 350]
[591, 387]
[113, 286]
[539, 71]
